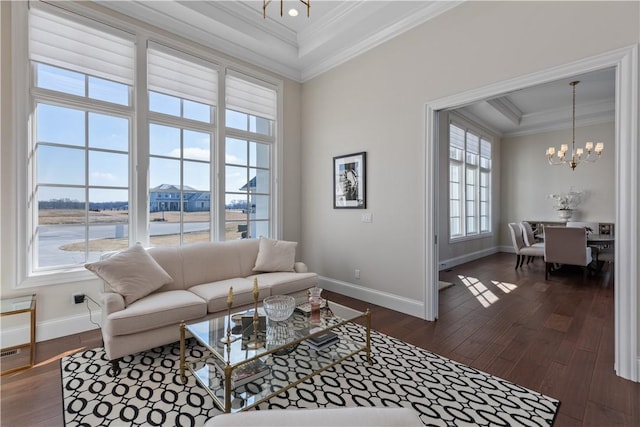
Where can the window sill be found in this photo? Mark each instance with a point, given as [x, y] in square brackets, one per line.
[469, 238]
[57, 277]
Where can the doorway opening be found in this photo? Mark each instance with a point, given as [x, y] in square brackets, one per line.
[626, 270]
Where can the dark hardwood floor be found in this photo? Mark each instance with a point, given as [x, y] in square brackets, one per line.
[555, 337]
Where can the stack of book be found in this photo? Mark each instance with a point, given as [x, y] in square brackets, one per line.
[249, 372]
[320, 342]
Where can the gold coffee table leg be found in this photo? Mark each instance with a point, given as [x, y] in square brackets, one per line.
[183, 364]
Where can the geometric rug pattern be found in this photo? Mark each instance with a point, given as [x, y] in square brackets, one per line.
[148, 391]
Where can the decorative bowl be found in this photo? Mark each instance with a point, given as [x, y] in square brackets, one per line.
[279, 307]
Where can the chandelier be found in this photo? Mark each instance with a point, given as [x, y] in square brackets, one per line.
[292, 12]
[576, 156]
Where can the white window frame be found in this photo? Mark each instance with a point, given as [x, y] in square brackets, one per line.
[138, 184]
[469, 127]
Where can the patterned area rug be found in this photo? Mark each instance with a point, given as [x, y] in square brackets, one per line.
[443, 392]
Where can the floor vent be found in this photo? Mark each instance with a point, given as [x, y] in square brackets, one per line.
[9, 353]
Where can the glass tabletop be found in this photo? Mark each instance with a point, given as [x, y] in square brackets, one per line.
[271, 337]
[17, 304]
[239, 376]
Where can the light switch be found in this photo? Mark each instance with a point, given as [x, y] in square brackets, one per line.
[367, 217]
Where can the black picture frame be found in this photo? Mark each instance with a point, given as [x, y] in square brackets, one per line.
[350, 181]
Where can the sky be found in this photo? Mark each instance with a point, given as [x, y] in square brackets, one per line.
[107, 138]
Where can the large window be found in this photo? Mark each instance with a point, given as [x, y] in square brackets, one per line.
[182, 99]
[250, 116]
[79, 153]
[469, 182]
[124, 145]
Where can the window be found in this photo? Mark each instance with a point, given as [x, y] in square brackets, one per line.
[182, 99]
[469, 182]
[81, 140]
[250, 115]
[112, 160]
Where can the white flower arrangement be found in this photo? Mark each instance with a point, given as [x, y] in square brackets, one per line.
[567, 201]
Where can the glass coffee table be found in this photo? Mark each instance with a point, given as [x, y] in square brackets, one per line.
[238, 376]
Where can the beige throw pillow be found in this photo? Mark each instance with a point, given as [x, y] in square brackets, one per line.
[132, 273]
[275, 255]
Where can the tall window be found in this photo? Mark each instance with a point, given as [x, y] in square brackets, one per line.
[469, 182]
[79, 154]
[250, 115]
[182, 98]
[106, 168]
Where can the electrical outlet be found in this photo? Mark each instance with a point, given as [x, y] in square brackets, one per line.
[357, 273]
[77, 298]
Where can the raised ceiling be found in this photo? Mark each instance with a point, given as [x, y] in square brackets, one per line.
[296, 47]
[548, 107]
[301, 48]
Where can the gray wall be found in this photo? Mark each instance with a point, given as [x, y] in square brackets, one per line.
[376, 103]
[527, 179]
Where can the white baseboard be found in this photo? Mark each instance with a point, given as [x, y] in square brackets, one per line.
[384, 299]
[452, 262]
[51, 329]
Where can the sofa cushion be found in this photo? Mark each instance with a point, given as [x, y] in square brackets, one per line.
[215, 294]
[132, 273]
[346, 416]
[283, 283]
[275, 255]
[157, 310]
[169, 258]
[214, 261]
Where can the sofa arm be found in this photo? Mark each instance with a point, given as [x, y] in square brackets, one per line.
[300, 267]
[111, 302]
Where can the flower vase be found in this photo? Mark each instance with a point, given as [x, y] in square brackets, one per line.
[565, 214]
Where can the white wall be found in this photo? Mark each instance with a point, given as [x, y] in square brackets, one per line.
[56, 315]
[376, 103]
[527, 178]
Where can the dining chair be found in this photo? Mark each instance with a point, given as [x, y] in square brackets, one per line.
[566, 245]
[529, 237]
[522, 250]
[591, 227]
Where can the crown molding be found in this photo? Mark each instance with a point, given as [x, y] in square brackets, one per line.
[507, 108]
[559, 119]
[428, 11]
[239, 30]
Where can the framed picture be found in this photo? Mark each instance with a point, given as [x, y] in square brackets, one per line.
[349, 181]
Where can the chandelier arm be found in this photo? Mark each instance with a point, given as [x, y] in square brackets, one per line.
[576, 155]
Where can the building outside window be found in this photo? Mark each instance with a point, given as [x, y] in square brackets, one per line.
[249, 142]
[182, 110]
[469, 181]
[84, 194]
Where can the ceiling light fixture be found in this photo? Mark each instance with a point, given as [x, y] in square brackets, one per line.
[576, 154]
[265, 3]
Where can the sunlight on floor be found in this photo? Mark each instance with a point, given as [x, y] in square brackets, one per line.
[60, 356]
[483, 294]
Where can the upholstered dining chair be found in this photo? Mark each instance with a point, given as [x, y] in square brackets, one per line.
[566, 245]
[522, 250]
[527, 234]
[591, 227]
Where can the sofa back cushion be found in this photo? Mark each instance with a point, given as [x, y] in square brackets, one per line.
[213, 261]
[169, 258]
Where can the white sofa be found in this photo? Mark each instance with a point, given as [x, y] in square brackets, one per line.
[321, 417]
[146, 297]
